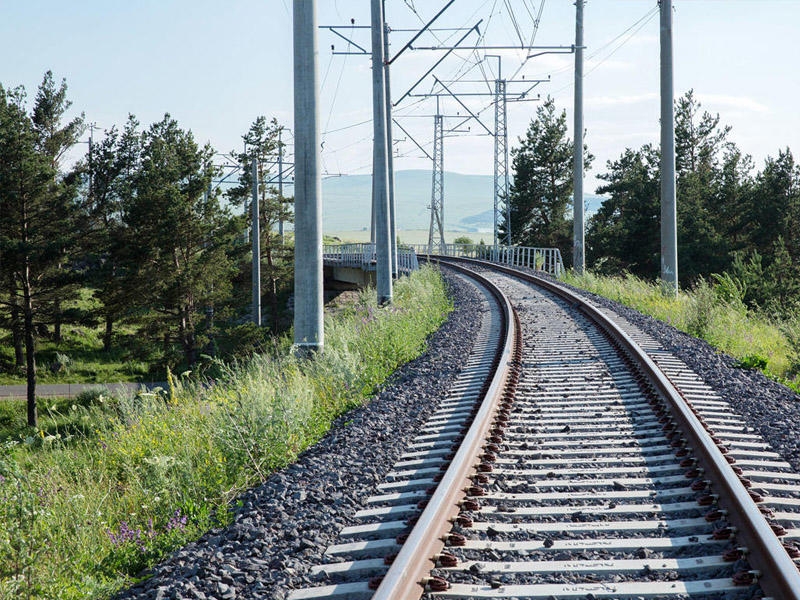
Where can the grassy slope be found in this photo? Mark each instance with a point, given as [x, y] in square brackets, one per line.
[84, 347]
[709, 313]
[86, 504]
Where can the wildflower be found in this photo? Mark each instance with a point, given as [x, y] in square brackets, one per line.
[125, 534]
[178, 521]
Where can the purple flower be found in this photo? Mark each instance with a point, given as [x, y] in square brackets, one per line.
[178, 521]
[126, 535]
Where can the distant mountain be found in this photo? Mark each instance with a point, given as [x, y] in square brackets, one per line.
[468, 202]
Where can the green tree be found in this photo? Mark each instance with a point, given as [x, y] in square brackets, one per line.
[262, 142]
[773, 208]
[111, 166]
[34, 208]
[623, 235]
[700, 143]
[181, 233]
[541, 193]
[713, 182]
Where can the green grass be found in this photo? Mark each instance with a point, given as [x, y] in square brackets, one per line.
[711, 312]
[128, 360]
[112, 485]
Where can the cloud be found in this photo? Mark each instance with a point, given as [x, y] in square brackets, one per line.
[600, 101]
[742, 103]
[608, 64]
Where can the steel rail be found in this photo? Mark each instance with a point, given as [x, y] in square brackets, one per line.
[780, 577]
[410, 571]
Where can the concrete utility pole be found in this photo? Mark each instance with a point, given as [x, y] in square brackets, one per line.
[380, 172]
[309, 334]
[669, 223]
[280, 184]
[256, 245]
[389, 156]
[578, 253]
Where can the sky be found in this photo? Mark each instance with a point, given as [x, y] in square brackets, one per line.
[216, 66]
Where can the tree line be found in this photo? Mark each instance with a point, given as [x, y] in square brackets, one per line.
[732, 218]
[139, 222]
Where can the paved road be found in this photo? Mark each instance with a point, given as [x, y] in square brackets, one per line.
[70, 390]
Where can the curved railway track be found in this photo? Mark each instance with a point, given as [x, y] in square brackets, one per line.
[573, 458]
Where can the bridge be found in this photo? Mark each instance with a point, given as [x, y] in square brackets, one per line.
[356, 263]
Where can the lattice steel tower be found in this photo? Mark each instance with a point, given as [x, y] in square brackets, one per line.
[501, 164]
[437, 191]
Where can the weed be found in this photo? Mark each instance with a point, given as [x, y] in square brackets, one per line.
[714, 311]
[752, 361]
[115, 486]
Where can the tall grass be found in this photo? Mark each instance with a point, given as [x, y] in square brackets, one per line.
[712, 311]
[82, 515]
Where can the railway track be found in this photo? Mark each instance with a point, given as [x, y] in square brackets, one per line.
[591, 464]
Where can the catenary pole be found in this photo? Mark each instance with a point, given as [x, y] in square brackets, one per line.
[380, 174]
[578, 252]
[309, 335]
[280, 184]
[669, 226]
[256, 245]
[389, 157]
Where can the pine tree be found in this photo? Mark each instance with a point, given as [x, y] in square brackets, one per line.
[34, 208]
[111, 166]
[623, 235]
[262, 142]
[181, 234]
[541, 193]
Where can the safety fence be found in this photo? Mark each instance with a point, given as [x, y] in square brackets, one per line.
[542, 259]
[363, 256]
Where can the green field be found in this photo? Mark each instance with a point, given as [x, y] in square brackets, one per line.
[409, 236]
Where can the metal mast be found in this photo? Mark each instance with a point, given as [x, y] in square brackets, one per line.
[256, 230]
[437, 189]
[389, 156]
[578, 253]
[669, 225]
[280, 184]
[501, 163]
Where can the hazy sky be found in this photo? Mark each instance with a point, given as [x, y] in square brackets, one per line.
[216, 66]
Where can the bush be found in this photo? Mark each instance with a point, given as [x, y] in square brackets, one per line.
[61, 364]
[713, 311]
[96, 396]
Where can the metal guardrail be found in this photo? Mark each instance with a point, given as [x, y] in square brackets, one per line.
[541, 259]
[363, 256]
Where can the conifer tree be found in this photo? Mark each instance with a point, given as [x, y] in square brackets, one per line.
[540, 196]
[262, 143]
[35, 212]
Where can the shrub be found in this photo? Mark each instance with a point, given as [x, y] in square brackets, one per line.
[713, 311]
[61, 364]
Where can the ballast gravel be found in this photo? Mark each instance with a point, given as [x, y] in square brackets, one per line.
[284, 526]
[770, 409]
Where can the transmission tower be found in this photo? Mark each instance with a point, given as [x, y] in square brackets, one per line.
[501, 164]
[437, 189]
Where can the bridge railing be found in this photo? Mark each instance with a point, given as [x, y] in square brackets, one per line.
[363, 256]
[542, 259]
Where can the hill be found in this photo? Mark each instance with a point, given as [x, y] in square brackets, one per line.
[468, 202]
